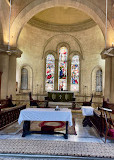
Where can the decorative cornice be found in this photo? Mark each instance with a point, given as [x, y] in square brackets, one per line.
[62, 28]
[13, 51]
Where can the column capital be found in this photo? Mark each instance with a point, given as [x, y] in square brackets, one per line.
[13, 51]
[107, 52]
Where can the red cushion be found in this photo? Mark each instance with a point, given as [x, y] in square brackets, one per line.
[111, 132]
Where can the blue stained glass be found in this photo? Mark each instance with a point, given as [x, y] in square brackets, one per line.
[62, 77]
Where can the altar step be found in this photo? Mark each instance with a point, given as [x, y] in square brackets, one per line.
[60, 104]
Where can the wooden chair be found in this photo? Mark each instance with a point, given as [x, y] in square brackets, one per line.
[33, 102]
[88, 103]
[39, 104]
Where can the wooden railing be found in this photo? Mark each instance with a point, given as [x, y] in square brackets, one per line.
[9, 115]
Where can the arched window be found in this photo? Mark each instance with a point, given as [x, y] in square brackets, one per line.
[75, 73]
[62, 73]
[24, 79]
[50, 69]
[99, 81]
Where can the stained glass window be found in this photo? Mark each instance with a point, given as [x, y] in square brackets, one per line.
[99, 81]
[75, 73]
[62, 77]
[24, 79]
[50, 69]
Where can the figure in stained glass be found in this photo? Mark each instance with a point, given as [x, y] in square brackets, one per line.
[62, 81]
[75, 73]
[50, 68]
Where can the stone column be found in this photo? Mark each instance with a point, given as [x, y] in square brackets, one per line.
[12, 76]
[68, 74]
[0, 83]
[109, 79]
[4, 67]
[112, 81]
[107, 86]
[8, 69]
[56, 75]
[44, 76]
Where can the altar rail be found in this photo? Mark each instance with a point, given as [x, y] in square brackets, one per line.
[9, 115]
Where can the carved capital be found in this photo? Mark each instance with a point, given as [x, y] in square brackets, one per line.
[107, 52]
[12, 51]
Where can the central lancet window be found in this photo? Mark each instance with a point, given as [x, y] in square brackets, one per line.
[62, 77]
[50, 69]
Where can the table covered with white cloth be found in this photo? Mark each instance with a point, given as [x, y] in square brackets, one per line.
[44, 114]
[87, 111]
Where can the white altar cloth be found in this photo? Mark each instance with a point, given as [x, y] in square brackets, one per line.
[87, 110]
[45, 114]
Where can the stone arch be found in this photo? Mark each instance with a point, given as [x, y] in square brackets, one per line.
[36, 6]
[61, 44]
[50, 52]
[76, 53]
[60, 40]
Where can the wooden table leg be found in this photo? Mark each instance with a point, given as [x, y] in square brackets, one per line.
[66, 135]
[26, 128]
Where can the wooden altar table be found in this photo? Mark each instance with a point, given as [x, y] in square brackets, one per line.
[44, 114]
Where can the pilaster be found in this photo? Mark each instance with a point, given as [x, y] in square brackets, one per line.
[109, 76]
[56, 75]
[8, 69]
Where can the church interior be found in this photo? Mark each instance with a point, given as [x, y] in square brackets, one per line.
[57, 56]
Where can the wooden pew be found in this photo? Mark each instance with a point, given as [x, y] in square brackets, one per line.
[6, 103]
[108, 105]
[10, 115]
[107, 123]
[103, 120]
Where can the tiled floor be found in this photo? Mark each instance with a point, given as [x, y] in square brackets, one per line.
[84, 134]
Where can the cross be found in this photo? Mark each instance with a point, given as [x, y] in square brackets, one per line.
[60, 96]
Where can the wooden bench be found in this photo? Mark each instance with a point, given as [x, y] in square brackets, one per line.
[9, 115]
[103, 120]
[6, 103]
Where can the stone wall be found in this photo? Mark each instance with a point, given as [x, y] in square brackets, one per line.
[36, 42]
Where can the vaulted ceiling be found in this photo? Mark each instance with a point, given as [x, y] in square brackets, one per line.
[62, 19]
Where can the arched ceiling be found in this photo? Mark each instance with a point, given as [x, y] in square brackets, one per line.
[62, 19]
